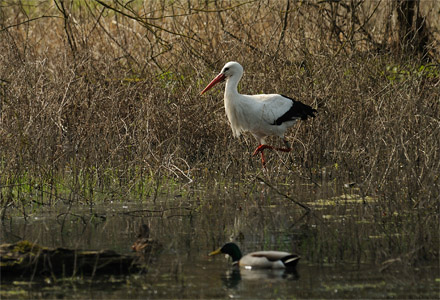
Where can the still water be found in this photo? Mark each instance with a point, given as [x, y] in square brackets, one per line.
[184, 270]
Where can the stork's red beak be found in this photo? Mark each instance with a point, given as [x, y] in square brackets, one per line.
[219, 78]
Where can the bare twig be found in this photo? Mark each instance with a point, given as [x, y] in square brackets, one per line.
[67, 27]
[144, 23]
[27, 21]
[283, 30]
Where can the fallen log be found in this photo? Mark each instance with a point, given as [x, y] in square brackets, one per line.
[25, 258]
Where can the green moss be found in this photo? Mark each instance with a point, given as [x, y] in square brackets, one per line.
[27, 247]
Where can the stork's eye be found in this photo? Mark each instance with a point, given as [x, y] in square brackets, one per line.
[226, 69]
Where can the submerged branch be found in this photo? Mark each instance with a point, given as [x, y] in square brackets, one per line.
[160, 212]
[308, 209]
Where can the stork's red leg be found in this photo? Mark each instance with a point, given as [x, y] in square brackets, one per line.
[263, 161]
[261, 148]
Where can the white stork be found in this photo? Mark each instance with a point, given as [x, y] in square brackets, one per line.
[262, 115]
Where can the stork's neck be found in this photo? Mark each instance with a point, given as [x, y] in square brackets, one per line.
[231, 90]
[232, 104]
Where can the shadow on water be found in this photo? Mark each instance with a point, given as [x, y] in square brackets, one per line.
[188, 231]
[233, 277]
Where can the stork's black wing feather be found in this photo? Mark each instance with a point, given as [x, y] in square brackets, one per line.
[298, 110]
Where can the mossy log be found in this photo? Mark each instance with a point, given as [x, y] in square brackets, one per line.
[28, 259]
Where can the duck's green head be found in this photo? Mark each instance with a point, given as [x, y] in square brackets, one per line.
[231, 249]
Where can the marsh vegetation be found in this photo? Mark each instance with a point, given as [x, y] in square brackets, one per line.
[100, 105]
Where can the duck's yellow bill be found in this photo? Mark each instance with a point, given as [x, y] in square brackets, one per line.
[215, 252]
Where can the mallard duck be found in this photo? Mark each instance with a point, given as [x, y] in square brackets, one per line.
[260, 259]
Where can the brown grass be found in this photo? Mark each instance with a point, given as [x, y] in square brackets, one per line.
[97, 103]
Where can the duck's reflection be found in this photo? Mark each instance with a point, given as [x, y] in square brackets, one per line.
[234, 275]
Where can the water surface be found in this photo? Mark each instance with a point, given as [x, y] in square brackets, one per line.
[183, 269]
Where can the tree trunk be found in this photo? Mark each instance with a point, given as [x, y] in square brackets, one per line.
[410, 32]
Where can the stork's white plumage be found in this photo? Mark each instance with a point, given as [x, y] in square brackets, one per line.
[262, 115]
